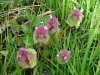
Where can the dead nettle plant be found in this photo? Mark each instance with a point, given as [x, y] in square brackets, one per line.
[75, 17]
[27, 57]
[41, 36]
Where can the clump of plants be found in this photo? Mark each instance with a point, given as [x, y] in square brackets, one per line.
[51, 42]
[42, 34]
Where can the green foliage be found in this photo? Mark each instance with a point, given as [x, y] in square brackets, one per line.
[83, 42]
[4, 53]
[28, 40]
[14, 26]
[26, 29]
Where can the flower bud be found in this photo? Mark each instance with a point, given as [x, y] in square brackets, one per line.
[52, 24]
[40, 34]
[63, 56]
[75, 17]
[26, 58]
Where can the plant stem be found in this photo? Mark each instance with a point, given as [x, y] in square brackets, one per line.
[5, 67]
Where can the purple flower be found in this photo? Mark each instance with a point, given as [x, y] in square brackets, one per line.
[63, 56]
[52, 24]
[26, 57]
[75, 17]
[40, 34]
[76, 14]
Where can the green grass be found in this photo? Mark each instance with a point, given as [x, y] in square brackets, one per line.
[84, 42]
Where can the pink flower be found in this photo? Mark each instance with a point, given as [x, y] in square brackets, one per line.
[76, 14]
[40, 34]
[26, 57]
[63, 56]
[52, 24]
[75, 17]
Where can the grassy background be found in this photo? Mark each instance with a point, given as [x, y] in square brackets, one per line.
[84, 42]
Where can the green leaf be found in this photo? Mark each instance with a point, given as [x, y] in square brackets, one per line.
[9, 37]
[29, 16]
[47, 53]
[14, 26]
[45, 19]
[72, 22]
[26, 29]
[28, 40]
[4, 53]
[36, 20]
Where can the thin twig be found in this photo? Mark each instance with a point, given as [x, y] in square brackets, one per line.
[16, 9]
[32, 11]
[33, 6]
[25, 22]
[46, 13]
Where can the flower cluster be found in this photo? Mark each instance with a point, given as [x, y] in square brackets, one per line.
[75, 17]
[26, 57]
[63, 56]
[41, 33]
[52, 24]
